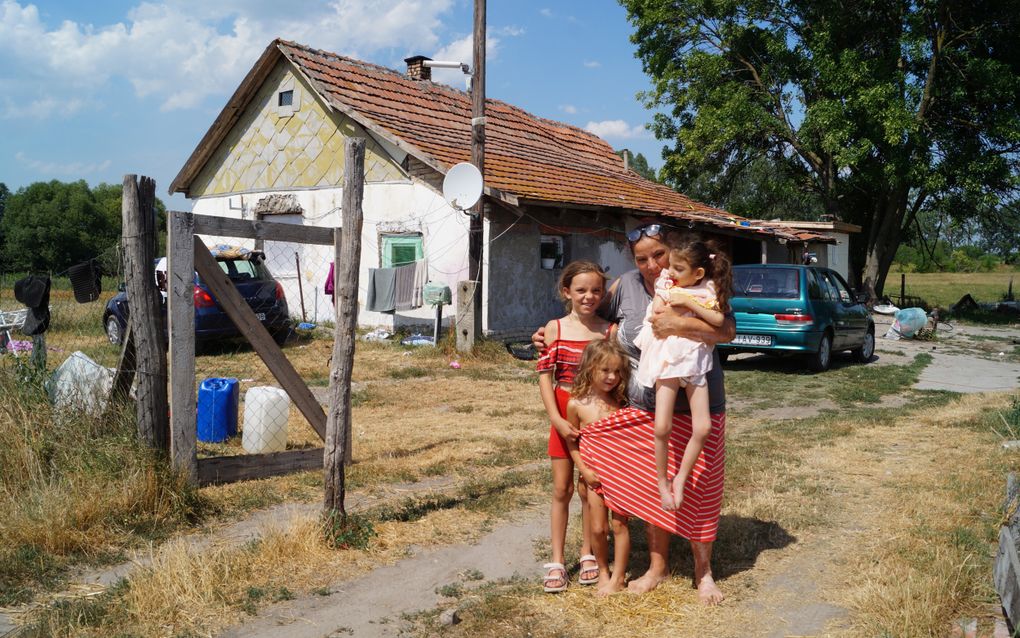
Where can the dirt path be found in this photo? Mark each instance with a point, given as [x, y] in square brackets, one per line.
[373, 605]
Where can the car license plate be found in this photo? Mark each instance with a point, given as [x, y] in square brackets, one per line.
[752, 340]
[261, 316]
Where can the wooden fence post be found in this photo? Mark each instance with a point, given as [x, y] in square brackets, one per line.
[146, 316]
[181, 312]
[347, 260]
[465, 318]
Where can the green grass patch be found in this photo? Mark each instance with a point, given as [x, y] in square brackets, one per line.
[778, 381]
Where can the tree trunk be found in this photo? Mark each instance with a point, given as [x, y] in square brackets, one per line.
[883, 240]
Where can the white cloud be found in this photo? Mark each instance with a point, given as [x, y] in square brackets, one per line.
[41, 108]
[546, 12]
[77, 169]
[511, 31]
[616, 129]
[592, 64]
[182, 51]
[568, 108]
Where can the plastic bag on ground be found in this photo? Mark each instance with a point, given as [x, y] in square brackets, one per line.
[910, 320]
[80, 383]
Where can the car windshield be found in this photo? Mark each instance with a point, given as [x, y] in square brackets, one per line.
[768, 283]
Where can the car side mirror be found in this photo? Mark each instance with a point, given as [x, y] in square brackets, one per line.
[121, 287]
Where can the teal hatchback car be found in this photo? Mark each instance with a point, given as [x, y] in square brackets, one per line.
[804, 310]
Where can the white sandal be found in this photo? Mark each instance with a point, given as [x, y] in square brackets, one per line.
[550, 568]
[587, 558]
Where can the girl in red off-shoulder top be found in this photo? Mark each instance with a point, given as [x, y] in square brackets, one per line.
[581, 287]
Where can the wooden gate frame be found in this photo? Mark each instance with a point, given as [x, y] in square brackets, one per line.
[187, 254]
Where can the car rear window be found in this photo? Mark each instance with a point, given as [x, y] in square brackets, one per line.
[244, 269]
[767, 283]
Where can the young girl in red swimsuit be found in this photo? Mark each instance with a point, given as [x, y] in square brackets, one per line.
[581, 286]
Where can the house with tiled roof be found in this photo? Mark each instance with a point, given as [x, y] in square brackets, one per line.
[552, 192]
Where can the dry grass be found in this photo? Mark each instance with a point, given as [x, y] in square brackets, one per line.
[891, 516]
[74, 487]
[945, 289]
[189, 592]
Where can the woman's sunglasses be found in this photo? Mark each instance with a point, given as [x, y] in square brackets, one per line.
[648, 230]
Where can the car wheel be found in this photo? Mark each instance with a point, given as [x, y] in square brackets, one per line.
[113, 331]
[867, 349]
[819, 361]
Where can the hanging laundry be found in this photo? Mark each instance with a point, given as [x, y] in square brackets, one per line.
[34, 292]
[382, 288]
[85, 281]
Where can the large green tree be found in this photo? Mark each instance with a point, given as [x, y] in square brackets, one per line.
[53, 225]
[879, 109]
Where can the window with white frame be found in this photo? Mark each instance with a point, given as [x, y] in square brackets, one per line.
[399, 249]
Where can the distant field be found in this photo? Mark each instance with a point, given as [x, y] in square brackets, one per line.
[945, 289]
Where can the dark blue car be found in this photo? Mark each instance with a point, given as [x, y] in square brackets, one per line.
[250, 276]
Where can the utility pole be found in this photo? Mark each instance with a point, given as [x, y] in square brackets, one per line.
[475, 244]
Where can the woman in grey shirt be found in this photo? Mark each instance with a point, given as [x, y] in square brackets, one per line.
[620, 448]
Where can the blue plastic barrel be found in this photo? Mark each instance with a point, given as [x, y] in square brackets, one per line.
[217, 409]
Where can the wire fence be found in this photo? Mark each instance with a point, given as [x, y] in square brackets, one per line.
[73, 326]
[255, 416]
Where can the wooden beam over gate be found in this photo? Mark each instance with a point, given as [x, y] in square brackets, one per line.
[274, 231]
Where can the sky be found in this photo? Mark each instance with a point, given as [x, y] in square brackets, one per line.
[97, 90]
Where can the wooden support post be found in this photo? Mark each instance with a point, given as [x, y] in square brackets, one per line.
[465, 315]
[181, 312]
[139, 237]
[475, 239]
[252, 329]
[125, 375]
[903, 288]
[347, 260]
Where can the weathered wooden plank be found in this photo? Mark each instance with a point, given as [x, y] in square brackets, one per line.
[229, 469]
[347, 258]
[125, 375]
[181, 312]
[465, 317]
[146, 317]
[1006, 571]
[1006, 574]
[256, 334]
[273, 231]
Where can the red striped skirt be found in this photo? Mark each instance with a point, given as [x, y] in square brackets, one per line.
[621, 450]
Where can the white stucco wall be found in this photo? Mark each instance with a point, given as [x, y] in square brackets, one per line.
[403, 206]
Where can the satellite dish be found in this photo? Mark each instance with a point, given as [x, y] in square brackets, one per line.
[462, 186]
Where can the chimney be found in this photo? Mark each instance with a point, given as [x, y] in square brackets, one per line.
[416, 69]
[626, 159]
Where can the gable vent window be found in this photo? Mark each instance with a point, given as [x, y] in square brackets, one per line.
[288, 98]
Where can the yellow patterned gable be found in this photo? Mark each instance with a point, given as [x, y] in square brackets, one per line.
[279, 147]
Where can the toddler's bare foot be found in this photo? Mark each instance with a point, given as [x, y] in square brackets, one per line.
[708, 592]
[646, 583]
[666, 498]
[677, 493]
[610, 587]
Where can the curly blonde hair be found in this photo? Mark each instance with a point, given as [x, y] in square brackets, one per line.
[595, 354]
